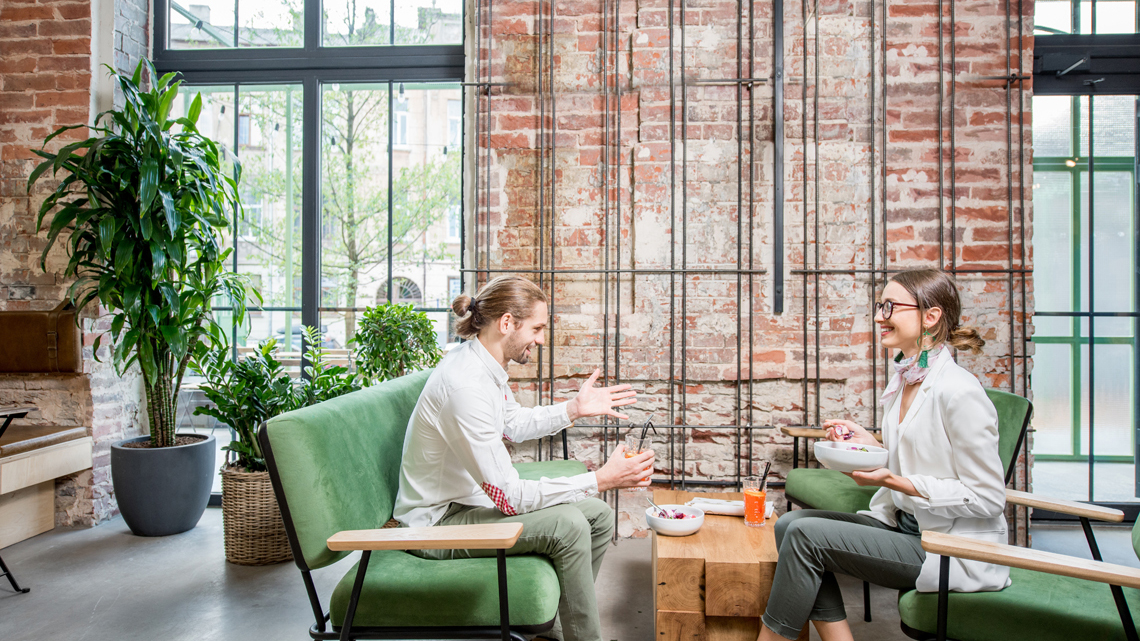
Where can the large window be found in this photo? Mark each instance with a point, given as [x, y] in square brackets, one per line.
[346, 118]
[1084, 374]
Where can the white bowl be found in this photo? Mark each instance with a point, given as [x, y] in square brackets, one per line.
[675, 527]
[841, 456]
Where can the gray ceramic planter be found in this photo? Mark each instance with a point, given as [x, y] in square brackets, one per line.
[162, 491]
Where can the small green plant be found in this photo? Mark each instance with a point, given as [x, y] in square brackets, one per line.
[244, 393]
[322, 379]
[393, 340]
[255, 388]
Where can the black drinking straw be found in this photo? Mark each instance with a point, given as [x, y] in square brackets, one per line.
[644, 430]
[764, 479]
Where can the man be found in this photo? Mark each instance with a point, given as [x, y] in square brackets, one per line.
[457, 471]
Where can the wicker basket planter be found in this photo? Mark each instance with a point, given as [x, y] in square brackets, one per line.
[254, 531]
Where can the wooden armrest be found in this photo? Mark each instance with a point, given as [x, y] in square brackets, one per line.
[1029, 559]
[813, 432]
[1064, 507]
[491, 536]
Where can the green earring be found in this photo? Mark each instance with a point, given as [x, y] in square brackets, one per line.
[922, 359]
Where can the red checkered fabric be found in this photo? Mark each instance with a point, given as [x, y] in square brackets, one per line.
[499, 499]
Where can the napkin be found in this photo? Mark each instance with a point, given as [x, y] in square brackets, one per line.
[729, 508]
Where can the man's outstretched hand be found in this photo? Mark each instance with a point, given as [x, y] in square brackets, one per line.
[619, 471]
[600, 401]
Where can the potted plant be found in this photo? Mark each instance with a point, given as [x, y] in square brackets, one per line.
[392, 340]
[244, 393]
[140, 206]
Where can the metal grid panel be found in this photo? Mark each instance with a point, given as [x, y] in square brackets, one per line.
[614, 270]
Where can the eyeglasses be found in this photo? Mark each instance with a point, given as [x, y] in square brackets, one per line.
[888, 308]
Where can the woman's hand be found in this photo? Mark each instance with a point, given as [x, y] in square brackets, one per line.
[849, 431]
[883, 477]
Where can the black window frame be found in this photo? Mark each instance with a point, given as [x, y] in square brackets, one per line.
[311, 66]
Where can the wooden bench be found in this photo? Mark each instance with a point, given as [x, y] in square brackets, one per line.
[31, 458]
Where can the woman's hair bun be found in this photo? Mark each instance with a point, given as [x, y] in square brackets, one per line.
[967, 339]
[461, 305]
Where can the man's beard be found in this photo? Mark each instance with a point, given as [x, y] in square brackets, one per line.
[517, 352]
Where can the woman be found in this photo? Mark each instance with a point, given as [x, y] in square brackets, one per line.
[943, 474]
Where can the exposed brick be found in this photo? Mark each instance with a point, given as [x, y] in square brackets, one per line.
[77, 27]
[26, 13]
[62, 98]
[16, 30]
[74, 10]
[71, 46]
[17, 65]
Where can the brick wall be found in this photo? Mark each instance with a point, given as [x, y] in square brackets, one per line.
[45, 83]
[838, 171]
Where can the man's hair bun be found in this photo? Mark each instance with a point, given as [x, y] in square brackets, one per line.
[461, 305]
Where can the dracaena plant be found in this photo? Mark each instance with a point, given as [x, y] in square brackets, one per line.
[140, 206]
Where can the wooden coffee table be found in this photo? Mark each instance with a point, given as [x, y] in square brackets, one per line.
[712, 585]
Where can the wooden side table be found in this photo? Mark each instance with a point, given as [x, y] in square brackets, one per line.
[713, 585]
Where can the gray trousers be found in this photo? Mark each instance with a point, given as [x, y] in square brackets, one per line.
[815, 544]
[573, 535]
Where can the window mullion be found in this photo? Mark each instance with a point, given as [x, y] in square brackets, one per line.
[391, 138]
[310, 200]
[313, 25]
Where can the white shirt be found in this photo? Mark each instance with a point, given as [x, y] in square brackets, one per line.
[454, 451]
[947, 446]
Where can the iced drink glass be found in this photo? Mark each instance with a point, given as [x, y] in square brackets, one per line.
[755, 497]
[632, 449]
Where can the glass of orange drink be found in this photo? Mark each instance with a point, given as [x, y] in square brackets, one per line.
[755, 501]
[633, 447]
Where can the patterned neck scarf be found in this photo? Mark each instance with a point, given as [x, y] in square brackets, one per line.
[908, 369]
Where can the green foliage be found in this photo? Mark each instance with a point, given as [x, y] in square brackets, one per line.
[253, 389]
[394, 340]
[244, 393]
[140, 207]
[323, 380]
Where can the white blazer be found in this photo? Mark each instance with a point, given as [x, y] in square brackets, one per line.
[947, 446]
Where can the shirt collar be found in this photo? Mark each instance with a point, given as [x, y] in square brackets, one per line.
[493, 366]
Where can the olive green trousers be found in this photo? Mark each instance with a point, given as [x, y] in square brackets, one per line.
[815, 544]
[573, 535]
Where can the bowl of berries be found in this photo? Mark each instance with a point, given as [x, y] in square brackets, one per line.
[675, 520]
[845, 456]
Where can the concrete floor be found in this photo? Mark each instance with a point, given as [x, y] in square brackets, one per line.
[105, 583]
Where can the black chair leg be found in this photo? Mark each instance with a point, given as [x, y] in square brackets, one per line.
[943, 596]
[504, 610]
[354, 599]
[4, 571]
[866, 602]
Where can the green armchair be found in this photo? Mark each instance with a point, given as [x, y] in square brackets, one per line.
[335, 470]
[1052, 596]
[823, 489]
